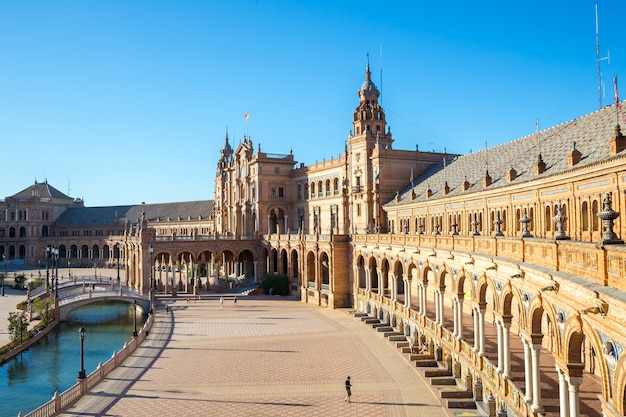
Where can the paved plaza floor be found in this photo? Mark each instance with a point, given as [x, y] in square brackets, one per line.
[268, 356]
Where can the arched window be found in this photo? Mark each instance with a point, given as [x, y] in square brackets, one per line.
[320, 190]
[584, 213]
[336, 186]
[306, 191]
[327, 187]
[594, 218]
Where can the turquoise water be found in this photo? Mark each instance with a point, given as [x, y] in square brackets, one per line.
[31, 378]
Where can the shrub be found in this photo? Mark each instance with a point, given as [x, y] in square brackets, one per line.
[279, 283]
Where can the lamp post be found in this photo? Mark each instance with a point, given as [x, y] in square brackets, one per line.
[4, 264]
[55, 269]
[151, 295]
[47, 267]
[69, 269]
[118, 263]
[81, 334]
[135, 318]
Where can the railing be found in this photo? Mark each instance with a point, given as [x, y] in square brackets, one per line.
[67, 397]
[600, 264]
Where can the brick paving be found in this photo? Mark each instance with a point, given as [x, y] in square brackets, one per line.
[269, 356]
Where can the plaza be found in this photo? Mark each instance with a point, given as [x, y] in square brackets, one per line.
[267, 356]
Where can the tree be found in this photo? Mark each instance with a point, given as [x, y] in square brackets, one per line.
[42, 309]
[19, 281]
[18, 324]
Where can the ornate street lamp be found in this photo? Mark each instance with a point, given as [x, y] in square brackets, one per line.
[118, 262]
[151, 251]
[47, 267]
[81, 334]
[55, 271]
[135, 318]
[4, 263]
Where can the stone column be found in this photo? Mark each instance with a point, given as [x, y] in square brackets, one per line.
[476, 330]
[481, 329]
[424, 288]
[285, 222]
[436, 308]
[459, 332]
[506, 349]
[255, 274]
[500, 366]
[574, 402]
[563, 393]
[407, 293]
[217, 273]
[528, 372]
[455, 317]
[537, 407]
[441, 305]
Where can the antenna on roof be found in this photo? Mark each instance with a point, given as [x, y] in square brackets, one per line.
[598, 60]
[381, 75]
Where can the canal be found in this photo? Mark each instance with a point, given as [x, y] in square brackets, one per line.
[52, 364]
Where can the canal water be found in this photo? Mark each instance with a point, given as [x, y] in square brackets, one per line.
[52, 364]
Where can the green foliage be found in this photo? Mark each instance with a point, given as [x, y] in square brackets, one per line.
[279, 284]
[43, 308]
[18, 325]
[19, 280]
[37, 282]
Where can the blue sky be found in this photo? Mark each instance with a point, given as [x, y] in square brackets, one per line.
[126, 102]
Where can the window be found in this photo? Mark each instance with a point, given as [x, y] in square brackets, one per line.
[281, 192]
[276, 170]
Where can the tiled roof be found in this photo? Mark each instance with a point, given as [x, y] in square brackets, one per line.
[41, 190]
[112, 215]
[591, 133]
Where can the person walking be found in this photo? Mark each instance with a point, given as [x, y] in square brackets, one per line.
[348, 390]
[222, 301]
[235, 301]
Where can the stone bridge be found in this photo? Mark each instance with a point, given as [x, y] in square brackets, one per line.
[78, 292]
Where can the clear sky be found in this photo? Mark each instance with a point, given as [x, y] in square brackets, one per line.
[124, 102]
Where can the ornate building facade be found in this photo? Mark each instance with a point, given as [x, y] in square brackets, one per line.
[509, 262]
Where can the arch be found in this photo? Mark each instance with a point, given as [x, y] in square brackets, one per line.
[360, 272]
[398, 275]
[95, 252]
[384, 272]
[373, 268]
[284, 262]
[584, 213]
[325, 270]
[310, 269]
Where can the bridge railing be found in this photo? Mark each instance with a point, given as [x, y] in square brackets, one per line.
[82, 386]
[78, 285]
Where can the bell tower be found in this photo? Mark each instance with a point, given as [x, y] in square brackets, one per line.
[369, 116]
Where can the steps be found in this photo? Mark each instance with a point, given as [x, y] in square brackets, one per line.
[454, 395]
